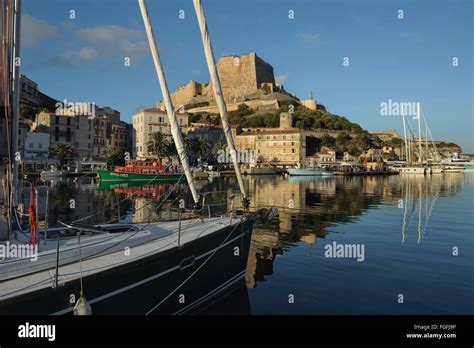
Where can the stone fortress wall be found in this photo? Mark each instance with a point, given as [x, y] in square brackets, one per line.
[239, 76]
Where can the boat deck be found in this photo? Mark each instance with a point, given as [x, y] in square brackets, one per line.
[99, 253]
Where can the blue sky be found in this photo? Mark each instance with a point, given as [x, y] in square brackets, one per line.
[407, 59]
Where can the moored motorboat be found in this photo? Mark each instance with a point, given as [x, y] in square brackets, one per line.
[53, 173]
[309, 171]
[144, 171]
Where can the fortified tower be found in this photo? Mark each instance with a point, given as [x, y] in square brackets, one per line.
[286, 120]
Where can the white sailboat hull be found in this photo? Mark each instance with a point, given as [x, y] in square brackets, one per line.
[412, 170]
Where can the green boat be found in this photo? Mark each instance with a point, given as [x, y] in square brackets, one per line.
[108, 176]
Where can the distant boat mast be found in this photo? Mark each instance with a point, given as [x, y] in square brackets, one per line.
[420, 160]
[407, 150]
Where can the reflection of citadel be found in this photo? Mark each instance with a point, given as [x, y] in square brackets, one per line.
[308, 207]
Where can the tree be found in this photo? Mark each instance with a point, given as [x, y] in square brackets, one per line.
[396, 142]
[328, 141]
[219, 147]
[201, 146]
[343, 138]
[159, 145]
[26, 111]
[362, 141]
[62, 152]
[266, 89]
[354, 150]
[115, 156]
[188, 144]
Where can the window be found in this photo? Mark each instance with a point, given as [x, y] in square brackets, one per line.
[30, 145]
[40, 146]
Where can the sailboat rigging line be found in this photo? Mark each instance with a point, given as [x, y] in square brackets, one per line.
[196, 270]
[124, 240]
[209, 154]
[80, 260]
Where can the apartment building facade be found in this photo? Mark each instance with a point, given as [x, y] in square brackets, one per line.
[148, 121]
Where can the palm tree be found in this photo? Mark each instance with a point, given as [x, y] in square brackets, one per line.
[218, 146]
[201, 146]
[159, 144]
[188, 143]
[115, 156]
[62, 152]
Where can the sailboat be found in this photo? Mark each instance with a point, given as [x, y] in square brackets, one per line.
[411, 168]
[166, 267]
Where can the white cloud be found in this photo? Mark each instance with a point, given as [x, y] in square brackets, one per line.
[76, 58]
[307, 38]
[33, 30]
[103, 42]
[281, 79]
[113, 39]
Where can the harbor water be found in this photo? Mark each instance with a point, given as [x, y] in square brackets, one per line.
[405, 242]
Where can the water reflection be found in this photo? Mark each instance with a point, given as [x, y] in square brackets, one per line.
[310, 210]
[309, 207]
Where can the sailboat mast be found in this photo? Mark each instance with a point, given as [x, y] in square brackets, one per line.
[176, 133]
[16, 90]
[426, 141]
[216, 84]
[420, 160]
[407, 158]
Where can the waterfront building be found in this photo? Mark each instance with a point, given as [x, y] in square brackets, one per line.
[22, 133]
[36, 145]
[89, 135]
[374, 154]
[213, 134]
[61, 128]
[30, 94]
[326, 157]
[121, 137]
[148, 121]
[283, 146]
